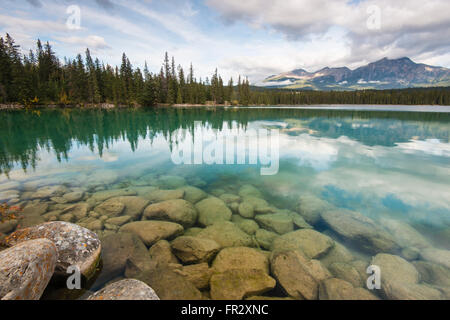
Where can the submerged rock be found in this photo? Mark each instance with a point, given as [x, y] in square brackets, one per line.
[249, 226]
[438, 256]
[161, 252]
[248, 190]
[118, 221]
[313, 244]
[433, 273]
[118, 248]
[171, 182]
[73, 196]
[229, 198]
[194, 250]
[179, 211]
[404, 234]
[240, 258]
[338, 289]
[298, 276]
[110, 208]
[265, 238]
[108, 194]
[212, 210]
[359, 229]
[197, 274]
[8, 226]
[152, 231]
[280, 223]
[48, 192]
[226, 234]
[237, 284]
[400, 279]
[101, 177]
[311, 207]
[134, 206]
[169, 285]
[246, 210]
[35, 208]
[163, 195]
[395, 269]
[346, 272]
[338, 253]
[26, 269]
[76, 246]
[193, 194]
[128, 289]
[79, 210]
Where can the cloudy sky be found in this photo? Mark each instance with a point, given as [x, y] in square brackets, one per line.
[254, 38]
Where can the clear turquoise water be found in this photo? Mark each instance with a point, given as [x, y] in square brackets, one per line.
[380, 163]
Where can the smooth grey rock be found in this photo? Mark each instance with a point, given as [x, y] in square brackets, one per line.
[128, 289]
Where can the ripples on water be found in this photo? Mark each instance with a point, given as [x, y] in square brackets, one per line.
[382, 164]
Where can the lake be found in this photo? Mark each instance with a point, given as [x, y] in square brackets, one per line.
[370, 185]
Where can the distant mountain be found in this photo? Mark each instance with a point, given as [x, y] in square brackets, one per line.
[382, 74]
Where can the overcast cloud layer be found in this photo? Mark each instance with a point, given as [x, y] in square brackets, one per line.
[254, 38]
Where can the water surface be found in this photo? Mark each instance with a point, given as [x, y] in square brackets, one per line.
[380, 163]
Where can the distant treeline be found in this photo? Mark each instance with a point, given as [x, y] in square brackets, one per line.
[39, 77]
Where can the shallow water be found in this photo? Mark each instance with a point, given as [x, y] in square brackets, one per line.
[382, 164]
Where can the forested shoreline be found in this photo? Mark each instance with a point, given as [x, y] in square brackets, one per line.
[40, 78]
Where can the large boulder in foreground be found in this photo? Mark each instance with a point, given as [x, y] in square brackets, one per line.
[76, 246]
[26, 269]
[179, 211]
[237, 284]
[151, 232]
[338, 289]
[127, 289]
[194, 250]
[212, 210]
[313, 244]
[360, 230]
[298, 276]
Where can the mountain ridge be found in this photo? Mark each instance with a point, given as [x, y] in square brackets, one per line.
[382, 74]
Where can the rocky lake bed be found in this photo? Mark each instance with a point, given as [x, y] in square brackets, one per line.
[160, 236]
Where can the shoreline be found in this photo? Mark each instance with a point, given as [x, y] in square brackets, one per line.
[110, 106]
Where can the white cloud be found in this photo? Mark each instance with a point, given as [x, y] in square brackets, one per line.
[92, 41]
[405, 29]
